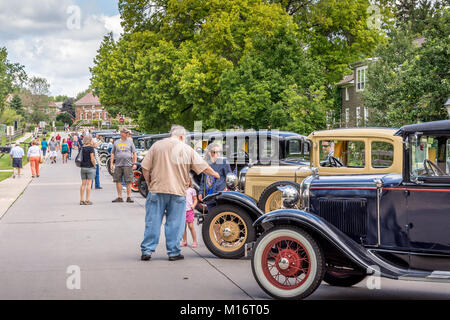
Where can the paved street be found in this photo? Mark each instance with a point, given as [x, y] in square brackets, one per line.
[46, 231]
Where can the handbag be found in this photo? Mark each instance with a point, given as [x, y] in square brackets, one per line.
[79, 158]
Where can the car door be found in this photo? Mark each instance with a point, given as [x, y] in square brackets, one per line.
[428, 204]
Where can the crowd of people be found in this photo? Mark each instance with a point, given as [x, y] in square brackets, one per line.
[166, 168]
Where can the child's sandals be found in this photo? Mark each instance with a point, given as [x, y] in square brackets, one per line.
[183, 244]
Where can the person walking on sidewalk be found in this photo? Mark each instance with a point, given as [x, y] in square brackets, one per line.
[64, 151]
[17, 154]
[166, 169]
[123, 162]
[88, 169]
[34, 157]
[44, 146]
[69, 143]
[53, 146]
[97, 160]
[58, 141]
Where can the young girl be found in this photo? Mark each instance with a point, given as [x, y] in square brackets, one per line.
[191, 202]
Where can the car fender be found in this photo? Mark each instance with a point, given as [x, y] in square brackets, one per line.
[318, 227]
[237, 199]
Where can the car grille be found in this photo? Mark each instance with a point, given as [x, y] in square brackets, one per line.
[348, 215]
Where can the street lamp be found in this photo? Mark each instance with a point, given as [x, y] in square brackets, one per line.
[447, 106]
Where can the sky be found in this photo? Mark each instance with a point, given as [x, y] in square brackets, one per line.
[57, 39]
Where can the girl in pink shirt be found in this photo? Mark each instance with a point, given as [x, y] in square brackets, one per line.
[191, 202]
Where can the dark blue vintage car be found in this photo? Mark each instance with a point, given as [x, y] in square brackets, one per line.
[393, 225]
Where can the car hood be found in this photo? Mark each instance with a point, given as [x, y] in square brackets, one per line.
[366, 180]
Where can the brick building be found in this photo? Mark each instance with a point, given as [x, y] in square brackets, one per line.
[89, 108]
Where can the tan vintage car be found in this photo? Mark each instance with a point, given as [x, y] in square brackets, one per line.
[334, 152]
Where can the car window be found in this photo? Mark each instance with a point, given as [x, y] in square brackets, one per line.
[382, 154]
[297, 149]
[430, 156]
[342, 153]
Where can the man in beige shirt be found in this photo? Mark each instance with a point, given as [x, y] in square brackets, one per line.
[166, 169]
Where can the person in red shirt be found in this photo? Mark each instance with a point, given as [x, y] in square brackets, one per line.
[58, 140]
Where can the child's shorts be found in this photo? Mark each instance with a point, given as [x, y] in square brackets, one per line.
[190, 214]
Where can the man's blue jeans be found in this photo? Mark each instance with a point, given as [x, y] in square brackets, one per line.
[156, 206]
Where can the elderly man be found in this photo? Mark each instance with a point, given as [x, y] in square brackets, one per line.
[125, 157]
[17, 154]
[166, 169]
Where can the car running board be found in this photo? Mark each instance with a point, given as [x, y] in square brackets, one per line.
[435, 276]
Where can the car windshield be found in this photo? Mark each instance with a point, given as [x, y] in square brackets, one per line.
[429, 156]
[342, 153]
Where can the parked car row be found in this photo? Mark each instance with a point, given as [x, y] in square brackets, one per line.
[373, 201]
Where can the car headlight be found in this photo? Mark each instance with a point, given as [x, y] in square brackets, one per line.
[289, 196]
[304, 192]
[242, 176]
[231, 181]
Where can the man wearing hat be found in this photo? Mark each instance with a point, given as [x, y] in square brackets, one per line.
[123, 162]
[17, 154]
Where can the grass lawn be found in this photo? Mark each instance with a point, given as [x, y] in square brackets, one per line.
[5, 175]
[5, 165]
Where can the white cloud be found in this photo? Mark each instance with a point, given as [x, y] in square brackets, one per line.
[39, 38]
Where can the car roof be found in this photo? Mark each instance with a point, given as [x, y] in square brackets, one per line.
[284, 134]
[434, 126]
[355, 132]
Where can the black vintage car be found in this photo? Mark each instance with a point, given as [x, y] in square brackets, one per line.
[392, 225]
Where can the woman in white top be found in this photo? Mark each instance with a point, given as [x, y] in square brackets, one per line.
[34, 157]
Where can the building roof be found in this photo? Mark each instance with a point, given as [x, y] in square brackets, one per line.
[88, 100]
[347, 80]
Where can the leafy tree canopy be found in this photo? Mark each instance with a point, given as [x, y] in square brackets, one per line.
[410, 83]
[224, 62]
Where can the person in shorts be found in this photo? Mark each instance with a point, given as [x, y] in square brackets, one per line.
[17, 154]
[88, 170]
[53, 146]
[123, 162]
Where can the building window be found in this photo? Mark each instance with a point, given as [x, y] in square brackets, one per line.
[105, 114]
[361, 78]
[358, 116]
[347, 116]
[347, 97]
[81, 116]
[366, 115]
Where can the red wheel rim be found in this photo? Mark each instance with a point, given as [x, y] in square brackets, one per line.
[286, 263]
[134, 184]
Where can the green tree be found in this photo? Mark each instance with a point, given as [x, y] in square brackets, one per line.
[9, 116]
[410, 83]
[184, 62]
[338, 32]
[64, 117]
[16, 104]
[12, 76]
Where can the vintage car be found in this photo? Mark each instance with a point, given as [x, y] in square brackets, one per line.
[227, 227]
[240, 148]
[350, 226]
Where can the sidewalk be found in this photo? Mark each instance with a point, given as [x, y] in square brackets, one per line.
[11, 189]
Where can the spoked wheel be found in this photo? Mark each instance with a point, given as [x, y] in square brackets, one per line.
[103, 160]
[287, 263]
[135, 183]
[342, 279]
[225, 231]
